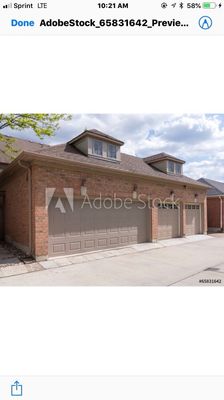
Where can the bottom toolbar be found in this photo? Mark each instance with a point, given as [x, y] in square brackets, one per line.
[113, 388]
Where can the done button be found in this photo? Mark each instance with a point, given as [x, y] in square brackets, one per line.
[15, 22]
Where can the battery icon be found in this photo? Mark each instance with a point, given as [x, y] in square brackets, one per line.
[209, 5]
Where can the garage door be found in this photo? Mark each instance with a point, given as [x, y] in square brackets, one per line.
[87, 229]
[168, 221]
[192, 219]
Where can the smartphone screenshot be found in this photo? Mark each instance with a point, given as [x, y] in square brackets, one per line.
[111, 200]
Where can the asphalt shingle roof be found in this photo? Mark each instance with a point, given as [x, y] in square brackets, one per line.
[19, 145]
[162, 156]
[217, 188]
[128, 163]
[69, 152]
[95, 132]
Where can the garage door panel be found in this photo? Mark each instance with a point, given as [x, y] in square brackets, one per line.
[74, 245]
[192, 219]
[101, 231]
[133, 239]
[59, 248]
[102, 242]
[114, 241]
[88, 229]
[57, 224]
[124, 240]
[114, 230]
[168, 223]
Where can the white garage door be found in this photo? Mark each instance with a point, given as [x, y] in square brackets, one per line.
[192, 219]
[87, 229]
[168, 221]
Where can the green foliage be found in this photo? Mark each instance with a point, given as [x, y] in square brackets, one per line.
[41, 124]
[9, 149]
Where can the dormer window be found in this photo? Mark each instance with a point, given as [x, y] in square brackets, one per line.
[178, 169]
[97, 148]
[171, 167]
[166, 163]
[111, 151]
[174, 168]
[94, 143]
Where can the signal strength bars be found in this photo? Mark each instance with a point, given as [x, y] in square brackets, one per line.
[7, 5]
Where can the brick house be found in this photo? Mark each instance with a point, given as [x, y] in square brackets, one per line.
[215, 204]
[86, 195]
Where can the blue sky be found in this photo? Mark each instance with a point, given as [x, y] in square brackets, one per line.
[196, 138]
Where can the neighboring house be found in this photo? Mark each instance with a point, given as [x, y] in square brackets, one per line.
[215, 204]
[92, 164]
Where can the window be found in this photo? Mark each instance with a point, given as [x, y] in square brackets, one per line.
[171, 167]
[178, 169]
[174, 168]
[192, 207]
[111, 151]
[97, 148]
[168, 206]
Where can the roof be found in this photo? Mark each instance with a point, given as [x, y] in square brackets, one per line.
[19, 145]
[128, 163]
[69, 154]
[216, 187]
[162, 156]
[96, 133]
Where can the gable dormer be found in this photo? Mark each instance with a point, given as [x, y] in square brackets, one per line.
[166, 163]
[94, 143]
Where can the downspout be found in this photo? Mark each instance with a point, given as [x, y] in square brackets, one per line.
[221, 222]
[28, 168]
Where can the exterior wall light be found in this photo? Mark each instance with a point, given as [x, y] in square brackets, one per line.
[83, 190]
[195, 197]
[172, 194]
[134, 193]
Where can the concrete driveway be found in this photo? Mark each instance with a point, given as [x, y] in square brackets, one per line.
[171, 263]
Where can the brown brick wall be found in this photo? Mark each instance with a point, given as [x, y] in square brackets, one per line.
[213, 206]
[205, 216]
[40, 181]
[59, 178]
[17, 204]
[16, 213]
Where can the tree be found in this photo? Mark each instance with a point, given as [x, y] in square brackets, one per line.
[41, 124]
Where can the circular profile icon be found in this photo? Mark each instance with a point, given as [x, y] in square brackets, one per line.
[205, 22]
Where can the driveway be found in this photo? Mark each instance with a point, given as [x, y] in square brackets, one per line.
[169, 263]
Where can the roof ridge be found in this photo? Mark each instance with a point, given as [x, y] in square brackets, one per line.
[160, 156]
[97, 133]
